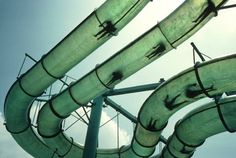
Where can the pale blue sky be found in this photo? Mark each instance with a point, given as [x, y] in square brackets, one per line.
[34, 27]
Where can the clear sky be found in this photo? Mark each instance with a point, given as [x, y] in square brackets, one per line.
[34, 27]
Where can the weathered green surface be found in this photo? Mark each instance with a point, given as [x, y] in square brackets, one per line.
[69, 52]
[183, 89]
[198, 125]
[163, 37]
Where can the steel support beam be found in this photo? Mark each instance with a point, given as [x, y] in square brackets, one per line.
[134, 89]
[127, 114]
[93, 129]
[197, 51]
[228, 6]
[31, 57]
[121, 110]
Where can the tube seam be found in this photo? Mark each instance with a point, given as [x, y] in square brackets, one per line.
[50, 136]
[184, 143]
[125, 149]
[96, 72]
[22, 88]
[200, 81]
[73, 98]
[144, 145]
[191, 29]
[24, 129]
[168, 149]
[221, 116]
[18, 132]
[141, 155]
[156, 130]
[45, 69]
[72, 141]
[55, 112]
[171, 44]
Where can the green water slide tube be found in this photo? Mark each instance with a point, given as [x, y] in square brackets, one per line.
[209, 79]
[201, 123]
[160, 39]
[89, 35]
[97, 28]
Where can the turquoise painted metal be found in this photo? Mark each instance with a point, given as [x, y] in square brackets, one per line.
[93, 128]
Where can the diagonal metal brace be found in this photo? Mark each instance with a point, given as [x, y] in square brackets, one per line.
[121, 110]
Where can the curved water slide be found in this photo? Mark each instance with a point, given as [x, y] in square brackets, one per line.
[210, 79]
[168, 34]
[118, 67]
[201, 123]
[97, 28]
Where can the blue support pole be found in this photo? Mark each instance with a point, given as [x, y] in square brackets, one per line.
[93, 129]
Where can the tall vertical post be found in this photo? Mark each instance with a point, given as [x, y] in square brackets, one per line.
[91, 140]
